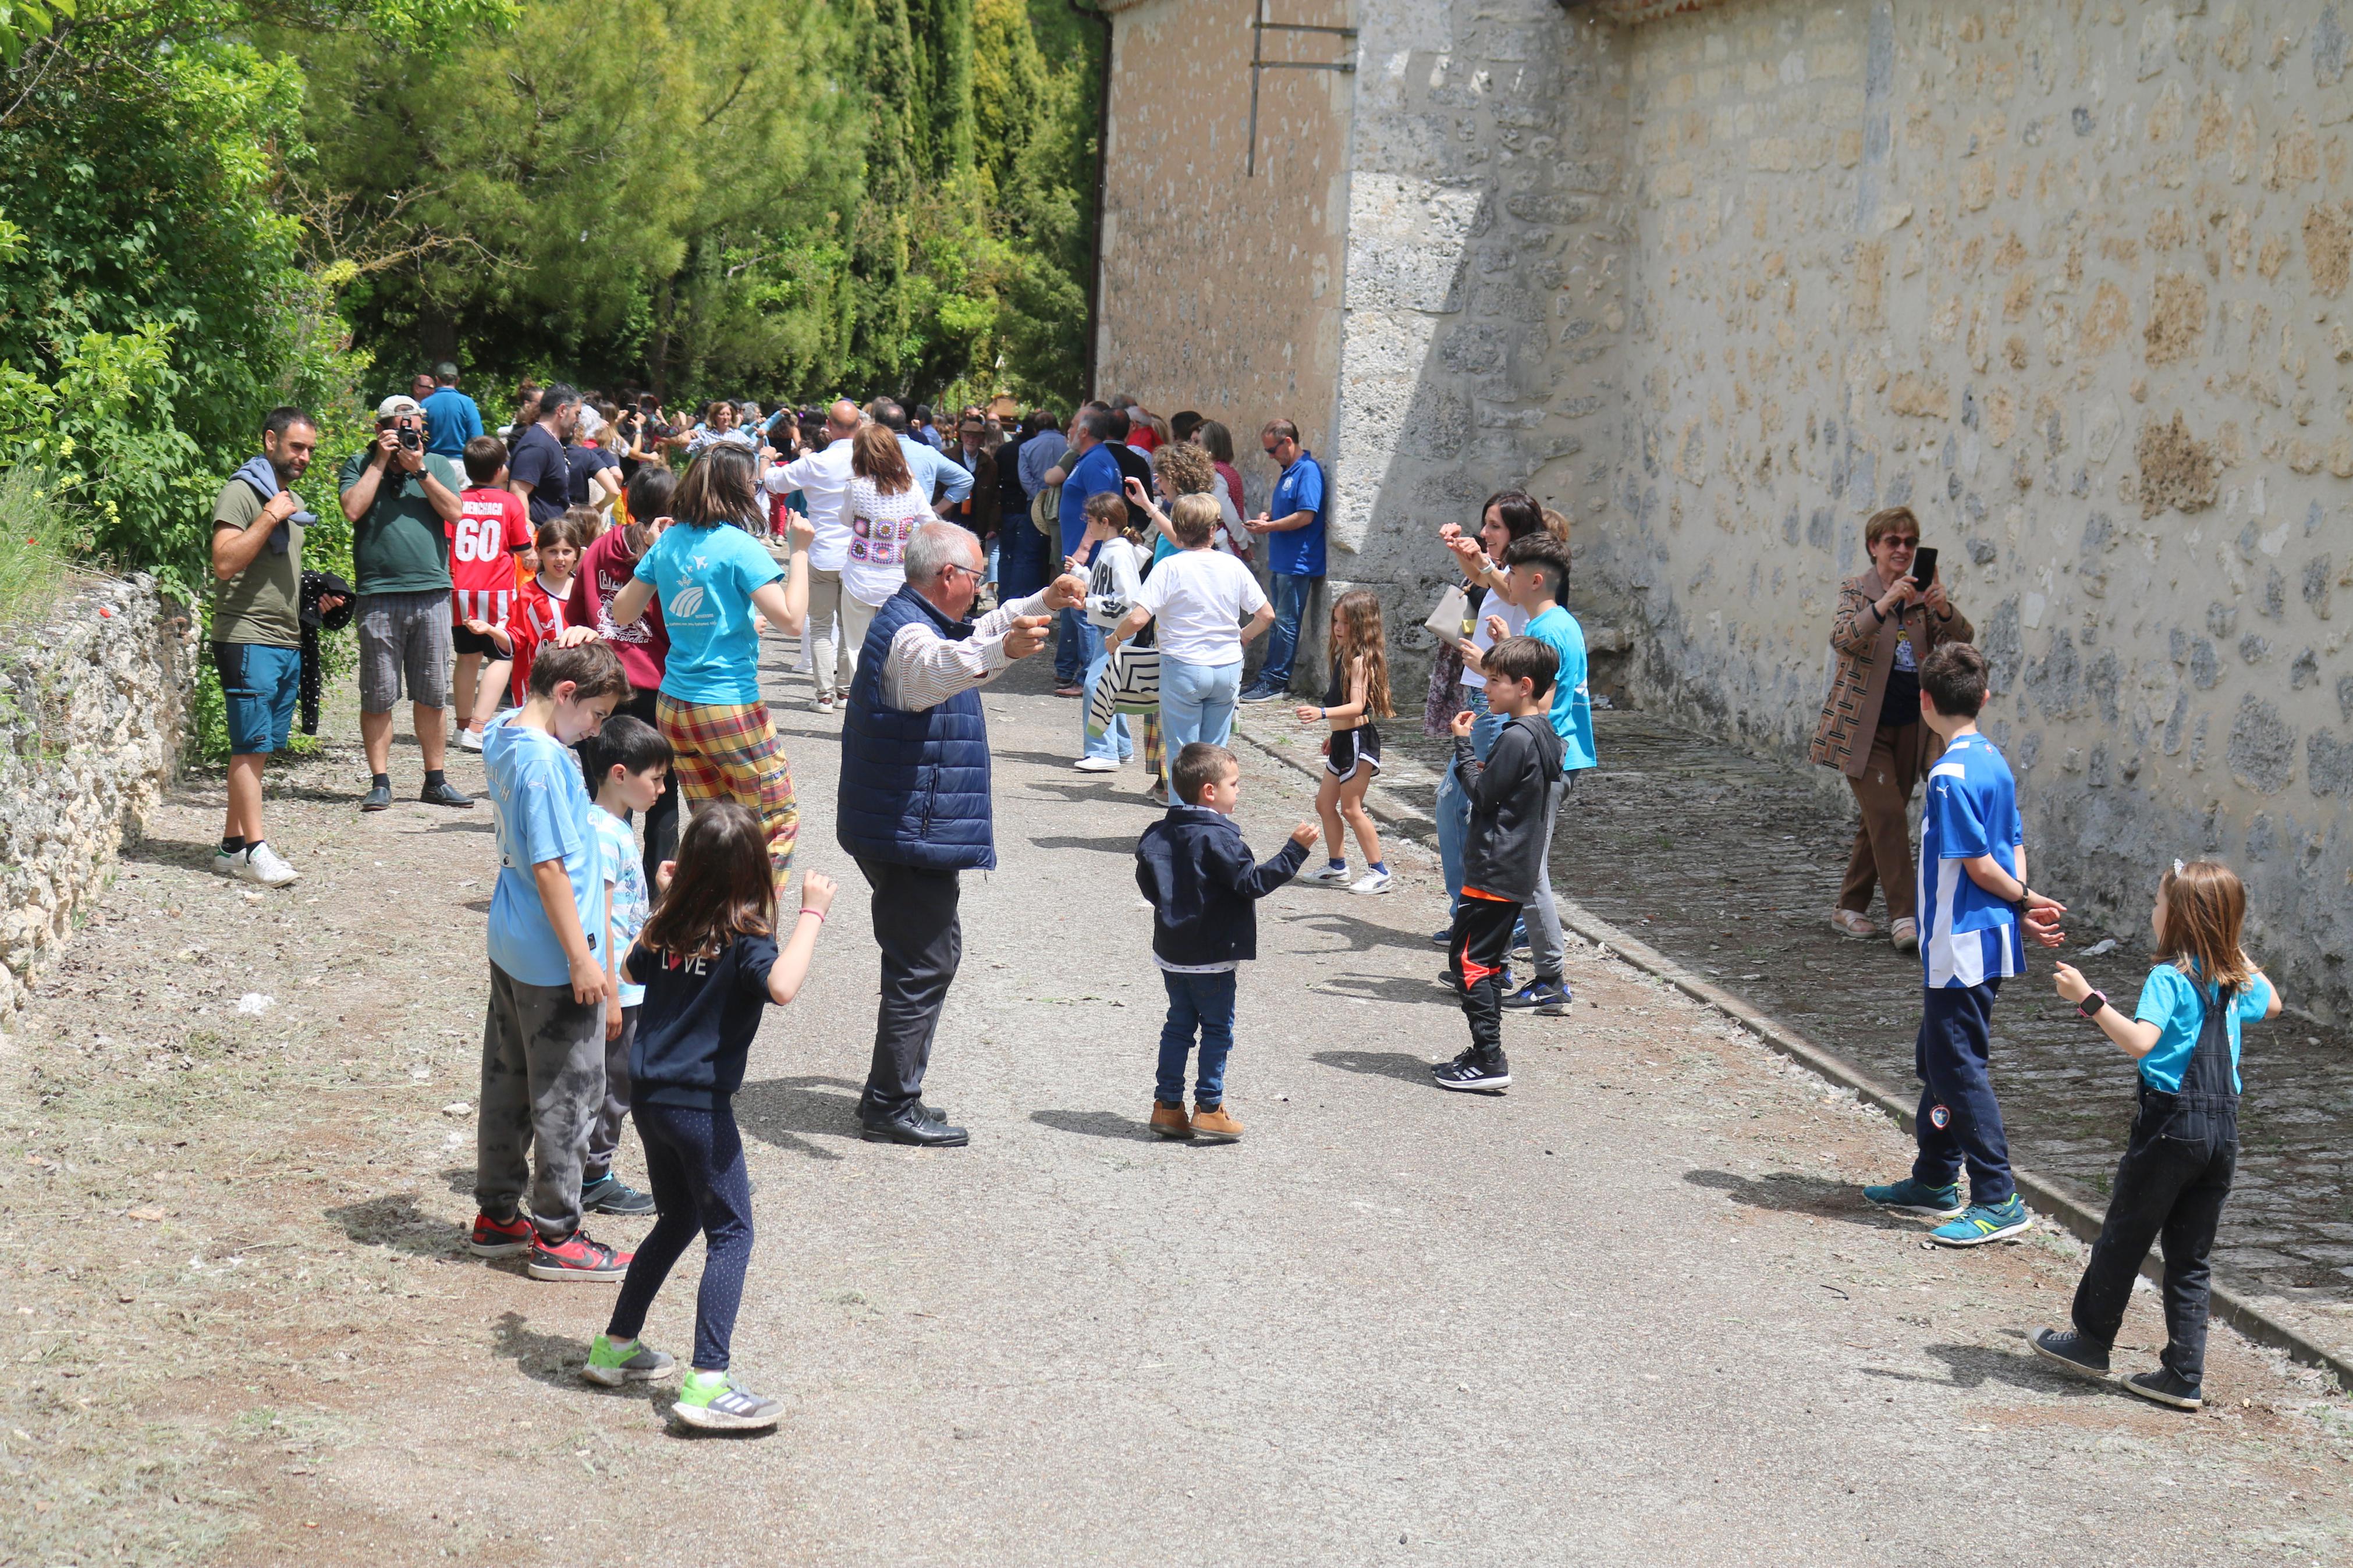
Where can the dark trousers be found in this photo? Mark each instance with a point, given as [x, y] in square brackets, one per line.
[605, 1136]
[2169, 1191]
[543, 1084]
[1478, 952]
[1070, 647]
[1958, 1122]
[694, 1161]
[915, 926]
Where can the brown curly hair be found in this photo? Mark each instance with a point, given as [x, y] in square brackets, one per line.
[1184, 469]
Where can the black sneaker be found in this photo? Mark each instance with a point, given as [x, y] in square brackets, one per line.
[1475, 1073]
[1547, 998]
[1261, 694]
[2166, 1386]
[610, 1194]
[2066, 1348]
[377, 799]
[444, 793]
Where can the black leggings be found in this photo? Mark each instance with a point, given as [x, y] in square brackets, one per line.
[695, 1160]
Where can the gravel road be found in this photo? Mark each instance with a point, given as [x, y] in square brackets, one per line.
[1632, 1312]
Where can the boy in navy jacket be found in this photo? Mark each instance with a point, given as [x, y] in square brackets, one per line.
[1201, 881]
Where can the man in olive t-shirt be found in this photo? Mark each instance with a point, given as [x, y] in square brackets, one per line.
[257, 631]
[399, 499]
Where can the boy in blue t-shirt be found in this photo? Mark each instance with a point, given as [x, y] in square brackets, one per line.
[631, 760]
[1975, 910]
[1538, 566]
[544, 1038]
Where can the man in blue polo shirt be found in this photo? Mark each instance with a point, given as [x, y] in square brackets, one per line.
[451, 419]
[1091, 468]
[1293, 524]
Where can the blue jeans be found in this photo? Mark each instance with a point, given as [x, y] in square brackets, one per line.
[1197, 703]
[1113, 742]
[1290, 601]
[1453, 810]
[1205, 1002]
[1956, 1039]
[1070, 648]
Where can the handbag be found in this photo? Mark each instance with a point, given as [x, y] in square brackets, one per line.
[1130, 683]
[1446, 620]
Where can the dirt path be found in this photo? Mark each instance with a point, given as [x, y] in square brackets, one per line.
[1634, 1305]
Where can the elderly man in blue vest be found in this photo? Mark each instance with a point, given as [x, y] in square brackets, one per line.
[914, 808]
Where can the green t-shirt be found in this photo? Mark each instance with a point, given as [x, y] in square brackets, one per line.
[401, 546]
[261, 603]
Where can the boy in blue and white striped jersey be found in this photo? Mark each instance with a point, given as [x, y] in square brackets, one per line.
[1976, 911]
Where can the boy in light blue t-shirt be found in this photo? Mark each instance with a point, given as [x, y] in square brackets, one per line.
[1975, 912]
[543, 1038]
[631, 760]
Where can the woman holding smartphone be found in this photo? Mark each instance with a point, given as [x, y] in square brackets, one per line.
[1889, 619]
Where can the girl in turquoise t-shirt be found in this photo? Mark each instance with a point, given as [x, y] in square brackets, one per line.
[2184, 1148]
[718, 586]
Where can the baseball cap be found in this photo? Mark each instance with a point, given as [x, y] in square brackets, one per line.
[393, 407]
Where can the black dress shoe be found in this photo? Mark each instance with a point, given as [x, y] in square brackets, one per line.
[444, 793]
[912, 1127]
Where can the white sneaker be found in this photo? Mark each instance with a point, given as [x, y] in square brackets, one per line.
[1096, 765]
[229, 864]
[1325, 876]
[824, 702]
[470, 740]
[1372, 882]
[260, 863]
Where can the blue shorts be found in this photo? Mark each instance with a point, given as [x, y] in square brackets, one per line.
[260, 683]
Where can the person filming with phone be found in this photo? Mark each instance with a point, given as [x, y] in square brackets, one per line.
[1889, 620]
[399, 500]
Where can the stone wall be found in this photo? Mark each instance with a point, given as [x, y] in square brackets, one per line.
[2069, 279]
[93, 712]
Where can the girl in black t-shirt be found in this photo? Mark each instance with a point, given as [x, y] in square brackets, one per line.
[709, 962]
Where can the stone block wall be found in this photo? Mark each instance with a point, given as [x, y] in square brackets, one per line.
[2068, 279]
[93, 714]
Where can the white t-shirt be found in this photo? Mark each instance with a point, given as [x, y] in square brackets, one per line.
[1516, 620]
[880, 527]
[1199, 599]
[823, 479]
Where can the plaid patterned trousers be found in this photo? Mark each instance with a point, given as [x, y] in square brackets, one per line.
[729, 750]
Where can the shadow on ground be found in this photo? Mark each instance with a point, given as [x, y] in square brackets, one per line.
[1097, 1124]
[396, 1223]
[1400, 1065]
[1120, 845]
[1362, 936]
[1973, 1366]
[1791, 1191]
[780, 1110]
[1389, 988]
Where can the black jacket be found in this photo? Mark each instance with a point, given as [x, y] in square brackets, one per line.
[1503, 853]
[1200, 880]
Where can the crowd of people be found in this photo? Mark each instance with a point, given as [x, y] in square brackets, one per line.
[598, 580]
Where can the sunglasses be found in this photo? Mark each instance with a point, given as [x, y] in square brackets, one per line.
[1893, 543]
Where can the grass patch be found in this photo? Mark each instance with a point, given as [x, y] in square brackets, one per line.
[41, 544]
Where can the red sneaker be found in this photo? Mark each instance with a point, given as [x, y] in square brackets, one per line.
[500, 1237]
[577, 1258]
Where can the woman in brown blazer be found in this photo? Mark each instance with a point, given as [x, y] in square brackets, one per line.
[1870, 728]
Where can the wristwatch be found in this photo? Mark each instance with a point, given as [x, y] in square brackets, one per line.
[2090, 1005]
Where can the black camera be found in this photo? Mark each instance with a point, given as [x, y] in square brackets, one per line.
[410, 438]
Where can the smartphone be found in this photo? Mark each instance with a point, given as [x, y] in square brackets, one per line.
[1924, 565]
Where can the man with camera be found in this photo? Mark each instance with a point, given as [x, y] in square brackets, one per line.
[399, 500]
[257, 628]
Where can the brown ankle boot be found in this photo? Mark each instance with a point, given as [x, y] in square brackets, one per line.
[1170, 1121]
[1215, 1123]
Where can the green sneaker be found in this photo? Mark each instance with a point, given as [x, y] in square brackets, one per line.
[1914, 1196]
[715, 1401]
[1982, 1224]
[611, 1365]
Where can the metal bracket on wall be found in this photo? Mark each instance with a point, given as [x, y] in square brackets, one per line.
[1259, 29]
